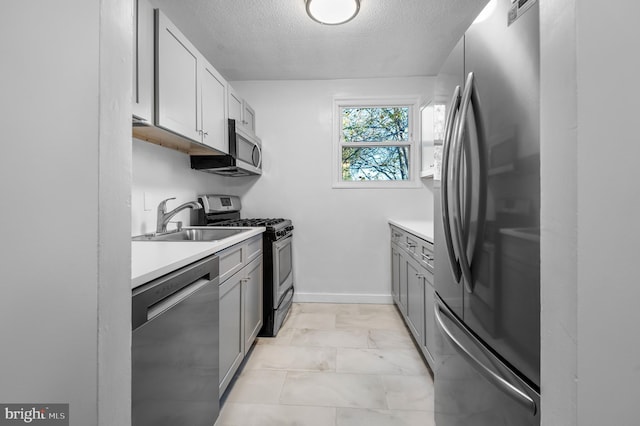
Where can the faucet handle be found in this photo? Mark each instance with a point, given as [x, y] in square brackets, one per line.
[178, 225]
[163, 204]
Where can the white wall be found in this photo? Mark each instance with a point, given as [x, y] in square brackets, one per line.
[590, 210]
[608, 60]
[162, 173]
[65, 104]
[559, 271]
[341, 237]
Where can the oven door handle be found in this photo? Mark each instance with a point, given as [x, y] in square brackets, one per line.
[281, 243]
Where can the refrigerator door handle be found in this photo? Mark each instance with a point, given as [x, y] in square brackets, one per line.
[446, 154]
[467, 238]
[493, 377]
[458, 228]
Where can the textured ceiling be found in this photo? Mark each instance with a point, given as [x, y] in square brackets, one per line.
[276, 40]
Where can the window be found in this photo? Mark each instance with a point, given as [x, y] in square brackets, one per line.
[374, 143]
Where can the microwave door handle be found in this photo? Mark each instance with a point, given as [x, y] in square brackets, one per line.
[446, 158]
[496, 379]
[256, 148]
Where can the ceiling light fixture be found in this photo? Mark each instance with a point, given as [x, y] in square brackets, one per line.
[332, 12]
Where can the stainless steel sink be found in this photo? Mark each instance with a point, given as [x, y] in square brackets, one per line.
[192, 234]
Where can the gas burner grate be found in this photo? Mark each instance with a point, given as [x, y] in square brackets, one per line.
[251, 222]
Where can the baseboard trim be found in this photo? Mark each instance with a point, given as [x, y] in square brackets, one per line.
[381, 299]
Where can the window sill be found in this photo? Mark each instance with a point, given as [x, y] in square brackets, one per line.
[377, 185]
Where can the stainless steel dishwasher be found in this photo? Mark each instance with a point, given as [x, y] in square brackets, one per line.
[175, 348]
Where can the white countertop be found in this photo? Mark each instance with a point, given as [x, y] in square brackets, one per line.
[153, 259]
[420, 228]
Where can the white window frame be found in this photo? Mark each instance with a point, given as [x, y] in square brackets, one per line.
[414, 135]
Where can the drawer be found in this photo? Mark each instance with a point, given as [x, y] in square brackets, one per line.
[426, 255]
[237, 256]
[418, 248]
[254, 247]
[397, 236]
[231, 261]
[411, 244]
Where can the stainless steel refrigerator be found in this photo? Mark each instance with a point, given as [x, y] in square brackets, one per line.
[487, 227]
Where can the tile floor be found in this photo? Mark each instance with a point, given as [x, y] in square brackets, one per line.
[333, 365]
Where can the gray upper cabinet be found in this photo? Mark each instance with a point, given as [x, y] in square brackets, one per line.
[177, 91]
[241, 111]
[190, 93]
[248, 117]
[235, 105]
[143, 99]
[214, 109]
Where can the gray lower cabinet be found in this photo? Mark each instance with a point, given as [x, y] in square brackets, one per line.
[231, 341]
[240, 305]
[252, 302]
[415, 298]
[412, 287]
[396, 257]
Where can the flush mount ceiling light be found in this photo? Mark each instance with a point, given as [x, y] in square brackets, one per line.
[332, 12]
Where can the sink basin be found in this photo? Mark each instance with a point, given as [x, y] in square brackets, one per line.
[192, 234]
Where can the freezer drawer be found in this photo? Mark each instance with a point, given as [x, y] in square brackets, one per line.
[473, 386]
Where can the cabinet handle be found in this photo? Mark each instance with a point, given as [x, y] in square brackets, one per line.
[409, 245]
[427, 257]
[420, 275]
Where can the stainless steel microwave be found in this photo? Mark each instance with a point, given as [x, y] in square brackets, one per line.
[244, 158]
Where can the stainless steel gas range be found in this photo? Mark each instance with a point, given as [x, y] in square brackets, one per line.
[224, 210]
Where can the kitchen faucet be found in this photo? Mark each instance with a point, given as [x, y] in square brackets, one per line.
[164, 216]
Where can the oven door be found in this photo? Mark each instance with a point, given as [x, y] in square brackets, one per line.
[282, 269]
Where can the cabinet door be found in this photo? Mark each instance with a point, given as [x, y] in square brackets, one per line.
[214, 109]
[248, 117]
[395, 273]
[252, 299]
[231, 340]
[177, 91]
[402, 290]
[234, 103]
[430, 331]
[142, 105]
[415, 298]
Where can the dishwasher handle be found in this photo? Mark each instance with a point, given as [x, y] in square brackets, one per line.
[152, 299]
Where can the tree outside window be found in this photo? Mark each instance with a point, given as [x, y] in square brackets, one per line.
[375, 125]
[375, 142]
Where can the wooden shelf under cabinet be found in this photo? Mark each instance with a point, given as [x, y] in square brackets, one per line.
[170, 140]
